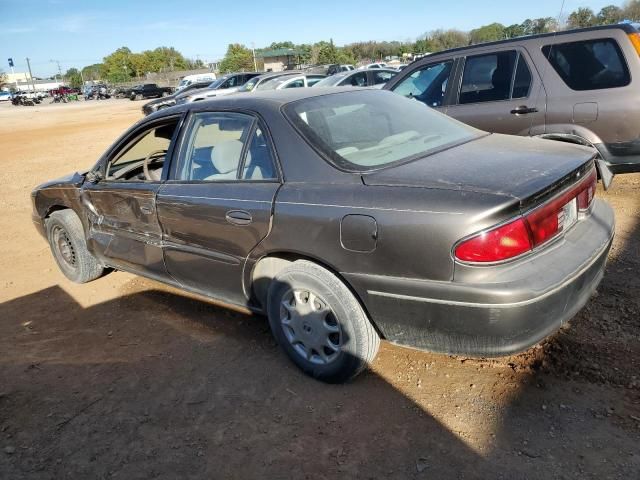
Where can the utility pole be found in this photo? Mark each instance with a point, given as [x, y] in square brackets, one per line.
[33, 86]
[59, 69]
[253, 50]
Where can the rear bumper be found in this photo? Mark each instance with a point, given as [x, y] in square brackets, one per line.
[496, 310]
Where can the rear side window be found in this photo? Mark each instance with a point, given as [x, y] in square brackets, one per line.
[487, 78]
[589, 64]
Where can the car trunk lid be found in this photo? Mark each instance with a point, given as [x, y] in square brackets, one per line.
[527, 169]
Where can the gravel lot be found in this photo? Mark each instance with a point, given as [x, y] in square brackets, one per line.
[127, 378]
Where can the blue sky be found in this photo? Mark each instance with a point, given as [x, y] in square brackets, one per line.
[79, 33]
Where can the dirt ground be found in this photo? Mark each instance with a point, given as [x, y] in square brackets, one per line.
[127, 378]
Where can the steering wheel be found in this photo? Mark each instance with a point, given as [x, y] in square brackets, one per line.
[145, 165]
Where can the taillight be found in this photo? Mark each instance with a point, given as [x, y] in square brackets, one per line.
[506, 241]
[585, 197]
[533, 229]
[635, 41]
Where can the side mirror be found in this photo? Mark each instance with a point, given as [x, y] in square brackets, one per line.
[93, 177]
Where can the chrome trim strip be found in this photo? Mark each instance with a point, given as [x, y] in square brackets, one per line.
[367, 208]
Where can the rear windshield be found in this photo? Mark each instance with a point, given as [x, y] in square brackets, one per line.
[589, 64]
[370, 129]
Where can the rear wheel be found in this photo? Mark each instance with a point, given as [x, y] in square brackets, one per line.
[319, 323]
[67, 242]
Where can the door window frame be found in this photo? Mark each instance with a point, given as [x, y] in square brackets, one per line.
[138, 133]
[181, 145]
[460, 74]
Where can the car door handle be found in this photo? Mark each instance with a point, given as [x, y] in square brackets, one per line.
[523, 109]
[238, 217]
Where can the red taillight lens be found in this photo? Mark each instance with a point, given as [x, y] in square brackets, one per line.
[585, 197]
[543, 222]
[534, 229]
[501, 243]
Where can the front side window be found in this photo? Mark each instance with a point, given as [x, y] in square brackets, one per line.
[589, 64]
[382, 77]
[368, 129]
[487, 78]
[150, 146]
[427, 84]
[356, 80]
[223, 146]
[297, 83]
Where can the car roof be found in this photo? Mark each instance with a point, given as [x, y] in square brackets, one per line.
[626, 27]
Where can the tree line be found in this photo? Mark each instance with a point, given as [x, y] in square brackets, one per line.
[124, 65]
[239, 57]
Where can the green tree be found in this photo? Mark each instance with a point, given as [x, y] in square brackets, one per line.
[631, 10]
[487, 33]
[583, 17]
[515, 30]
[93, 72]
[326, 52]
[73, 77]
[117, 66]
[238, 59]
[609, 14]
[446, 39]
[545, 25]
[278, 45]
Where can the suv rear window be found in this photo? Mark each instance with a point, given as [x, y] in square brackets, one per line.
[589, 64]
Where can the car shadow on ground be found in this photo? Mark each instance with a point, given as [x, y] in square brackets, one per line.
[156, 384]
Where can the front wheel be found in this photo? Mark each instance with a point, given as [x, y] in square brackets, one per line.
[319, 323]
[66, 239]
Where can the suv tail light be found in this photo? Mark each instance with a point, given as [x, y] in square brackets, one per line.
[634, 38]
[531, 230]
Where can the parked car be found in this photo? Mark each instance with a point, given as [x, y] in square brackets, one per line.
[229, 83]
[358, 78]
[342, 215]
[375, 65]
[335, 68]
[5, 96]
[195, 79]
[251, 84]
[169, 101]
[148, 90]
[64, 90]
[290, 81]
[577, 86]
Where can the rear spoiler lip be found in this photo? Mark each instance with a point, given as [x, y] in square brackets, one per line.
[559, 185]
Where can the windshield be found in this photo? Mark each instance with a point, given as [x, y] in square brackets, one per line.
[273, 83]
[331, 81]
[369, 129]
[183, 83]
[249, 85]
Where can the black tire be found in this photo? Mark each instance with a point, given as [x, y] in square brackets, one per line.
[356, 343]
[69, 248]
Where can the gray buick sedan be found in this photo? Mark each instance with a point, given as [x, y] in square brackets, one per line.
[345, 216]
